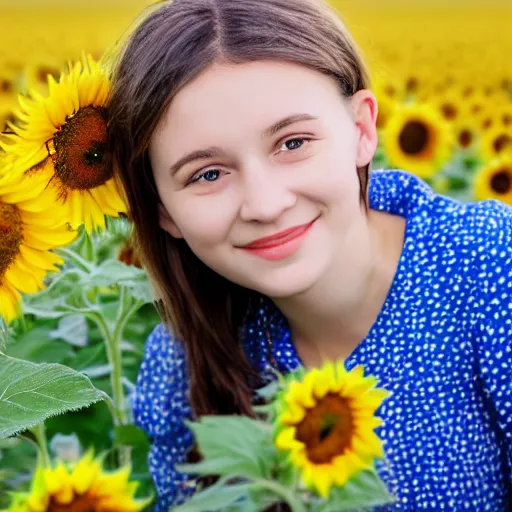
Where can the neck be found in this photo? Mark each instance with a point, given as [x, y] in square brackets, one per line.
[330, 319]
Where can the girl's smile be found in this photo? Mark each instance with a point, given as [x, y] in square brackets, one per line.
[280, 245]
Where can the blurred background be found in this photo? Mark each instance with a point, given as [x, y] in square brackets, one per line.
[442, 73]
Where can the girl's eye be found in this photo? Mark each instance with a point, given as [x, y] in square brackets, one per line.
[293, 144]
[208, 175]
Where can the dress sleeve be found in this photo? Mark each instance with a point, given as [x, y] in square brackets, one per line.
[493, 318]
[160, 404]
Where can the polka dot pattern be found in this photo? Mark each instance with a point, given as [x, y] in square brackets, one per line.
[441, 345]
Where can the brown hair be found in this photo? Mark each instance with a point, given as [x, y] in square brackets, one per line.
[171, 46]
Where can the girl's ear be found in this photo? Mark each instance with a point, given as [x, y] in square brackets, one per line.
[166, 222]
[364, 107]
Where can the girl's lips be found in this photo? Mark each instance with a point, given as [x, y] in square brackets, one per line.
[278, 248]
[279, 238]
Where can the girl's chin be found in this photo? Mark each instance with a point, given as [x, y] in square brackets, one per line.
[282, 287]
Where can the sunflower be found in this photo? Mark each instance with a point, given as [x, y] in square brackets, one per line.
[63, 138]
[504, 115]
[35, 75]
[326, 422]
[79, 488]
[449, 104]
[476, 105]
[386, 106]
[418, 139]
[467, 133]
[494, 181]
[496, 142]
[26, 236]
[7, 100]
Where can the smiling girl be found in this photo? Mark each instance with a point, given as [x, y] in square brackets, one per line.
[243, 133]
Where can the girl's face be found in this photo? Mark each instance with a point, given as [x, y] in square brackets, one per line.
[249, 151]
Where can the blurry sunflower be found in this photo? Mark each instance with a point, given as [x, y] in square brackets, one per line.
[494, 181]
[449, 104]
[391, 88]
[326, 422]
[467, 133]
[35, 75]
[63, 137]
[504, 115]
[7, 100]
[496, 141]
[80, 488]
[386, 105]
[417, 139]
[476, 105]
[26, 236]
[487, 120]
[129, 254]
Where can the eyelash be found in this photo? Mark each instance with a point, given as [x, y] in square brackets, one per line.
[198, 177]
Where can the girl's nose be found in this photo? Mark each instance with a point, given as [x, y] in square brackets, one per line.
[265, 195]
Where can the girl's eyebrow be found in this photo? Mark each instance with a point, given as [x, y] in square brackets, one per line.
[214, 151]
[283, 123]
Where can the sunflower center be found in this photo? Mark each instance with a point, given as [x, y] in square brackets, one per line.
[327, 429]
[11, 235]
[502, 142]
[449, 111]
[80, 503]
[501, 182]
[465, 138]
[80, 146]
[414, 138]
[6, 86]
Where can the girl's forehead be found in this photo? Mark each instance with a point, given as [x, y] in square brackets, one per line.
[255, 89]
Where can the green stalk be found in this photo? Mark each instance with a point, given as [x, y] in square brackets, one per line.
[127, 308]
[295, 504]
[39, 432]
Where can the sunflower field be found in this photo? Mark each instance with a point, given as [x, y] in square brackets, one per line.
[75, 302]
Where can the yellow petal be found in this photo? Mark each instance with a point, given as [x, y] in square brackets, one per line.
[44, 260]
[9, 302]
[26, 282]
[293, 414]
[85, 473]
[48, 240]
[286, 440]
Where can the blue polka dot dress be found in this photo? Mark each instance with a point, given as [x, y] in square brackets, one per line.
[442, 344]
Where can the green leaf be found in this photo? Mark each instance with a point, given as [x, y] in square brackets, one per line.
[241, 446]
[113, 272]
[73, 329]
[269, 391]
[130, 435]
[35, 345]
[30, 393]
[216, 466]
[364, 490]
[93, 355]
[65, 289]
[216, 497]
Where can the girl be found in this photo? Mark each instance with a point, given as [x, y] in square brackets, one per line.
[243, 132]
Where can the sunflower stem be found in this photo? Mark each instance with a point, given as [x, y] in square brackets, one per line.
[113, 338]
[295, 504]
[80, 262]
[39, 432]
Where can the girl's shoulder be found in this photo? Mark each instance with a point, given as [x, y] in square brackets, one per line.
[481, 226]
[160, 400]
